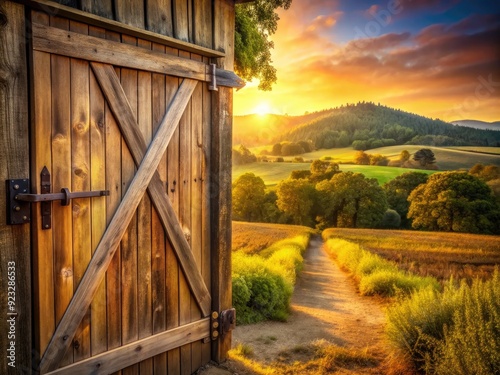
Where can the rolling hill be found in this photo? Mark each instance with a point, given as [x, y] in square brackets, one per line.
[369, 124]
[478, 124]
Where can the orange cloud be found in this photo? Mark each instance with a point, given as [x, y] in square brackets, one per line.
[443, 71]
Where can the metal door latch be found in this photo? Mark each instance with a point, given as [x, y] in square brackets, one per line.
[19, 199]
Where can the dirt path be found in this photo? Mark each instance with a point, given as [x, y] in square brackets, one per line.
[325, 305]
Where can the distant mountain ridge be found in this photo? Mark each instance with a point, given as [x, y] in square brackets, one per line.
[475, 124]
[363, 125]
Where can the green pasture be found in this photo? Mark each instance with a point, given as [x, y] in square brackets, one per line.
[273, 173]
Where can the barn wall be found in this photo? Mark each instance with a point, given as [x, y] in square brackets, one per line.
[14, 163]
[204, 23]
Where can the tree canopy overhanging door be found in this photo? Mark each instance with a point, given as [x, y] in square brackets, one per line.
[120, 280]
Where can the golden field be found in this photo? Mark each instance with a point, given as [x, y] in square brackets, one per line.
[437, 254]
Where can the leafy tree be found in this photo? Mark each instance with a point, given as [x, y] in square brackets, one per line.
[323, 170]
[351, 200]
[404, 156]
[485, 172]
[391, 220]
[296, 198]
[297, 175]
[454, 202]
[425, 157]
[362, 158]
[248, 198]
[242, 155]
[289, 149]
[255, 23]
[377, 159]
[399, 189]
[277, 149]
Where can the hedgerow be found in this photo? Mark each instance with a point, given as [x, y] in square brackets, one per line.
[263, 284]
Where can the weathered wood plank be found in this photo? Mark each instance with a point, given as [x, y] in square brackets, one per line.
[205, 204]
[98, 328]
[222, 110]
[159, 17]
[62, 42]
[144, 229]
[184, 187]
[130, 12]
[113, 184]
[158, 272]
[14, 163]
[173, 268]
[130, 317]
[44, 319]
[103, 254]
[103, 8]
[94, 20]
[135, 352]
[120, 107]
[61, 178]
[80, 166]
[181, 20]
[203, 23]
[196, 200]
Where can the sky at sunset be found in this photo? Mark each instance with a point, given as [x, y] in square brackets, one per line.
[437, 58]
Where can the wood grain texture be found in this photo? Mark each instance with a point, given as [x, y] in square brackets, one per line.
[103, 254]
[133, 353]
[158, 255]
[176, 233]
[159, 17]
[173, 268]
[196, 200]
[44, 315]
[113, 184]
[61, 177]
[203, 21]
[98, 328]
[144, 223]
[111, 25]
[222, 110]
[181, 20]
[103, 8]
[62, 42]
[14, 163]
[80, 166]
[130, 12]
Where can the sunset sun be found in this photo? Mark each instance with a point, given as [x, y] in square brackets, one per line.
[262, 109]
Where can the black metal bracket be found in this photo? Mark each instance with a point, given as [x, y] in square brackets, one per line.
[19, 199]
[17, 212]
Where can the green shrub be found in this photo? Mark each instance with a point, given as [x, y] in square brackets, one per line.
[454, 332]
[263, 284]
[376, 275]
[389, 282]
[472, 342]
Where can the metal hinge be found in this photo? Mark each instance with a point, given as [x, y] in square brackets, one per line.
[221, 324]
[212, 86]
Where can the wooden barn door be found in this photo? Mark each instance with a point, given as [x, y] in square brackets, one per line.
[120, 279]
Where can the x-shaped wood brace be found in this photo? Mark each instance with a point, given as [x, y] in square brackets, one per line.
[147, 177]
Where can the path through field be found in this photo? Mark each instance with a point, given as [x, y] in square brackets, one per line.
[325, 305]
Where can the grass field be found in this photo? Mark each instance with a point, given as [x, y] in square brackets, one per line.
[252, 238]
[441, 255]
[273, 173]
[448, 158]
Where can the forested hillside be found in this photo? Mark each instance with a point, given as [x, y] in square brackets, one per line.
[368, 125]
